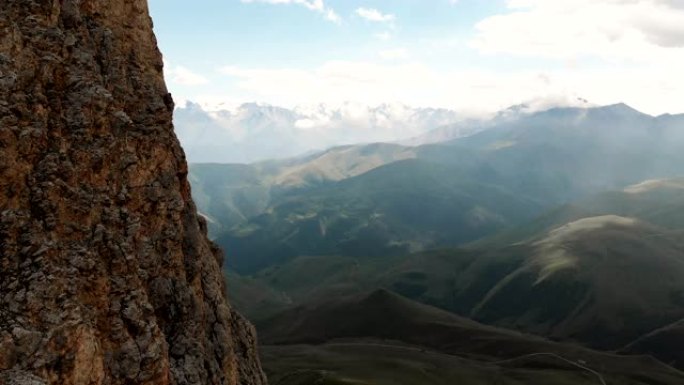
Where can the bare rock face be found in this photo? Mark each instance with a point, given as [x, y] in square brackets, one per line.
[106, 274]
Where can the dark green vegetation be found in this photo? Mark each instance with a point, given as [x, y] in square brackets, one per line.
[665, 344]
[390, 363]
[231, 194]
[403, 207]
[384, 199]
[438, 348]
[567, 224]
[571, 285]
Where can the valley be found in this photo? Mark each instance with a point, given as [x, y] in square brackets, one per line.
[376, 264]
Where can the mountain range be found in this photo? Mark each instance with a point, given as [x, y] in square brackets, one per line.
[569, 275]
[383, 199]
[606, 282]
[560, 230]
[254, 132]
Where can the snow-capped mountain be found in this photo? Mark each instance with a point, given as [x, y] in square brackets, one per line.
[469, 126]
[253, 132]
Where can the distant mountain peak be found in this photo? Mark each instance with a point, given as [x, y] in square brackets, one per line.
[545, 104]
[621, 107]
[253, 132]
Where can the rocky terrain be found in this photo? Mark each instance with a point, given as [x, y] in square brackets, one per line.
[106, 274]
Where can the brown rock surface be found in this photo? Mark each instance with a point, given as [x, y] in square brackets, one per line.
[106, 274]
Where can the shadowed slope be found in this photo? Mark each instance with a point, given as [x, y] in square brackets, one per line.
[477, 353]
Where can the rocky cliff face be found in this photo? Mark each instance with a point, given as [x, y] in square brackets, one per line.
[106, 274]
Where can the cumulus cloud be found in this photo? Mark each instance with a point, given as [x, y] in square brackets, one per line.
[372, 14]
[609, 29]
[605, 51]
[313, 5]
[475, 91]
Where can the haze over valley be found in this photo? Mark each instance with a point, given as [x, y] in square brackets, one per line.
[564, 224]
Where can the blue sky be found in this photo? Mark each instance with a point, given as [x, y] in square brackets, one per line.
[469, 55]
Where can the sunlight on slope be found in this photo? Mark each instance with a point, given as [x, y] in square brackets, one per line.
[553, 255]
[655, 184]
[341, 163]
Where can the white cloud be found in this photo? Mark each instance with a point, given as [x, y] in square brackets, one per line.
[313, 5]
[183, 76]
[625, 30]
[480, 91]
[374, 15]
[331, 15]
[606, 51]
[613, 50]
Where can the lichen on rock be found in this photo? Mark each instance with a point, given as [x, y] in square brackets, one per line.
[106, 273]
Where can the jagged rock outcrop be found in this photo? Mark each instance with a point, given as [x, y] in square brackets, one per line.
[106, 274]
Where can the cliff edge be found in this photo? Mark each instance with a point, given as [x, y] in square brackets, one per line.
[106, 273]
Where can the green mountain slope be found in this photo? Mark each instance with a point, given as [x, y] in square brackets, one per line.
[664, 344]
[400, 208]
[375, 325]
[563, 154]
[569, 226]
[602, 281]
[657, 201]
[385, 199]
[230, 194]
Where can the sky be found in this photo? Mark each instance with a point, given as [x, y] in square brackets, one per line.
[474, 56]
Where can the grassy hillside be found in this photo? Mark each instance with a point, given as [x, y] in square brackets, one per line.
[391, 363]
[385, 199]
[564, 224]
[664, 344]
[657, 201]
[230, 194]
[573, 283]
[396, 209]
[601, 280]
[441, 348]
